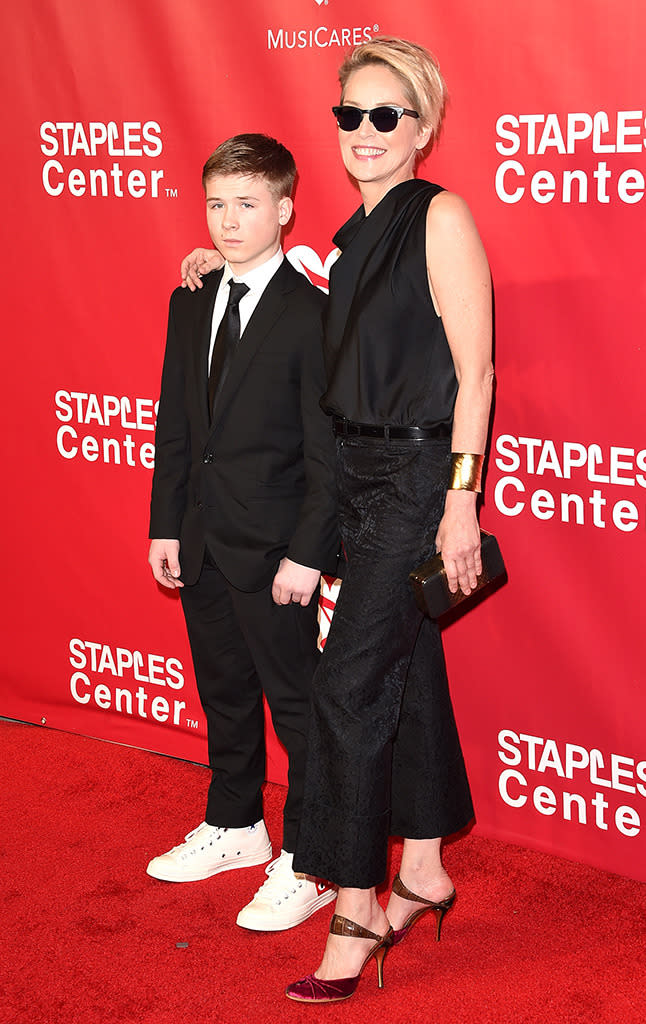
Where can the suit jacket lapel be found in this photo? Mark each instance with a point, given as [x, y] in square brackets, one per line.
[203, 340]
[270, 307]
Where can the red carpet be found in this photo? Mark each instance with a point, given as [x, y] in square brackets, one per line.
[88, 937]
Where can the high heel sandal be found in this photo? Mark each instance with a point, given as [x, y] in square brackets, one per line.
[439, 909]
[315, 990]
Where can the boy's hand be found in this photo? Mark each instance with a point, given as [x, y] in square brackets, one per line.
[197, 264]
[294, 583]
[164, 562]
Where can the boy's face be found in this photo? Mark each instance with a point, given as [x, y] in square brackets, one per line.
[245, 219]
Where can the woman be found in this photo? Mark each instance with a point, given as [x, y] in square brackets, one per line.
[408, 353]
[408, 356]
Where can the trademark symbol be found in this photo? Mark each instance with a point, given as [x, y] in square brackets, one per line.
[192, 723]
[376, 28]
[171, 193]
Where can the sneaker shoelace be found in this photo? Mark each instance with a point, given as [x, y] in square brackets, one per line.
[215, 833]
[280, 884]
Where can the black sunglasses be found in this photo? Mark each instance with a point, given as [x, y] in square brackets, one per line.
[384, 119]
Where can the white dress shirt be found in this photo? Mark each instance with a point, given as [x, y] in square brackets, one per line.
[256, 280]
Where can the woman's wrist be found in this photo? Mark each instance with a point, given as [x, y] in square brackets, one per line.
[460, 502]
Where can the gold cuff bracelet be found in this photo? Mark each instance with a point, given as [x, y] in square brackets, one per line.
[466, 472]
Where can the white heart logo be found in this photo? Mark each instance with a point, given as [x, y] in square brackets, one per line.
[319, 2]
[308, 262]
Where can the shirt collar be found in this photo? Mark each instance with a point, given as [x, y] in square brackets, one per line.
[259, 277]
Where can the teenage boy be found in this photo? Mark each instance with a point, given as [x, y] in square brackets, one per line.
[243, 517]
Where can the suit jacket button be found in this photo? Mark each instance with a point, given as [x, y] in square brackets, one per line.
[199, 506]
[208, 458]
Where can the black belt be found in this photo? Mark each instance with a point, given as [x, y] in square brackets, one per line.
[346, 428]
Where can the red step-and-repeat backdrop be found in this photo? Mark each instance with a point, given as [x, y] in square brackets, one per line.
[109, 112]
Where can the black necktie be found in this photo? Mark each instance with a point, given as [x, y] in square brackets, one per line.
[226, 341]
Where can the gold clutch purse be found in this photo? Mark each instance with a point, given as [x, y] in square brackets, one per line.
[430, 585]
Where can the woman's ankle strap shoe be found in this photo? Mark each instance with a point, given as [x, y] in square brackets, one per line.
[344, 926]
[439, 908]
[316, 990]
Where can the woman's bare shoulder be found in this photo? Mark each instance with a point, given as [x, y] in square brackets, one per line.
[448, 210]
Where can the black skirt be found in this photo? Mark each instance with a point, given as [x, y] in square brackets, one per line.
[384, 756]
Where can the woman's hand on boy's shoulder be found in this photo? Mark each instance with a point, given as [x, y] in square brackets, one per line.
[197, 264]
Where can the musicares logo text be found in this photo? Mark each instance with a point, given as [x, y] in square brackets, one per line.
[321, 37]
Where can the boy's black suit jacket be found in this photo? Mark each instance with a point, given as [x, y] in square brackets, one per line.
[258, 482]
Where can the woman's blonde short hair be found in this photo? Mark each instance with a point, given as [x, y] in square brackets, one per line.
[415, 67]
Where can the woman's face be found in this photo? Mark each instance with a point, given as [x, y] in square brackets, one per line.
[379, 160]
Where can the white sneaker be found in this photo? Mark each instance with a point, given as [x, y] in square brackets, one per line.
[285, 899]
[208, 849]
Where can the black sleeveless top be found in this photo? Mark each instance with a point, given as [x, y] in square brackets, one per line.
[386, 353]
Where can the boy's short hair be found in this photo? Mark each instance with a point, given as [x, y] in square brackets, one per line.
[257, 155]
